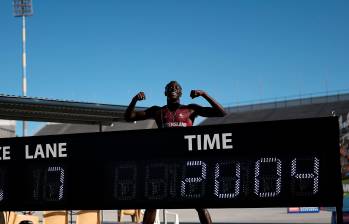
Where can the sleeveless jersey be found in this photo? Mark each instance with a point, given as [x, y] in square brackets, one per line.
[177, 118]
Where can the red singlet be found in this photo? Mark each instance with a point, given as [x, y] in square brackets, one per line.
[177, 118]
[182, 117]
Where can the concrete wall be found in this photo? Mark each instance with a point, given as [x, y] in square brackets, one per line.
[7, 129]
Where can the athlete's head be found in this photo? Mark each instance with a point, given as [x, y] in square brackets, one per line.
[173, 90]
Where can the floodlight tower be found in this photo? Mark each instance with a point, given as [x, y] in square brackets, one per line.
[23, 8]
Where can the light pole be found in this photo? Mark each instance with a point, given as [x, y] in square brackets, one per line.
[23, 8]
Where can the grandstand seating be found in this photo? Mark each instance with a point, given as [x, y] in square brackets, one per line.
[60, 128]
[293, 112]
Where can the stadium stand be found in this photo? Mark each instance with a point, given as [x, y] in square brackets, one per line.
[280, 110]
[283, 110]
[84, 119]
[62, 128]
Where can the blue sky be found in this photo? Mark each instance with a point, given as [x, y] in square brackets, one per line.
[106, 51]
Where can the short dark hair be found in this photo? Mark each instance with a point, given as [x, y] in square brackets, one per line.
[173, 82]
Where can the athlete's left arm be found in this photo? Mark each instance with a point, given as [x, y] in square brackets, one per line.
[216, 110]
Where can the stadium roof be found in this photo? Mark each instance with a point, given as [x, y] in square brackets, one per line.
[58, 128]
[283, 110]
[41, 109]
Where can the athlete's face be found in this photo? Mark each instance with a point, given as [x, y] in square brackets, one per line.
[173, 91]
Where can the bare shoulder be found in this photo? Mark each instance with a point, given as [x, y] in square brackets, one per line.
[153, 108]
[193, 106]
[151, 111]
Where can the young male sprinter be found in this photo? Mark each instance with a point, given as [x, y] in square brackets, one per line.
[174, 114]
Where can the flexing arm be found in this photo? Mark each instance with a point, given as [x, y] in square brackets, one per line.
[215, 111]
[131, 114]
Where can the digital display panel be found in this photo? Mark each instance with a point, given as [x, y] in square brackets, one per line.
[267, 164]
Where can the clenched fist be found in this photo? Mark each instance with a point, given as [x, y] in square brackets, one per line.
[196, 93]
[140, 96]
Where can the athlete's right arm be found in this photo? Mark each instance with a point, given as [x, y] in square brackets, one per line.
[132, 115]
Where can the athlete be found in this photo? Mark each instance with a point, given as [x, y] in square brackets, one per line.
[173, 114]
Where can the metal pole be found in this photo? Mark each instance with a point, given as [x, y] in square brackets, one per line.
[164, 216]
[339, 214]
[101, 211]
[24, 69]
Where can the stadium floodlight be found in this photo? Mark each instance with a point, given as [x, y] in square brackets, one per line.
[23, 8]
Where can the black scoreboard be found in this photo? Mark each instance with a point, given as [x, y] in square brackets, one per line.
[265, 164]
